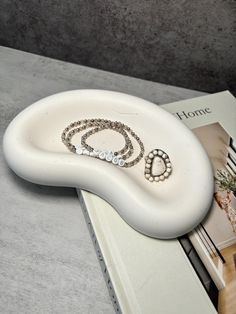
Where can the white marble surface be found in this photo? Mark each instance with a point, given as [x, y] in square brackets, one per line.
[48, 264]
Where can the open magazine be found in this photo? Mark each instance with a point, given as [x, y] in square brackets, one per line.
[197, 272]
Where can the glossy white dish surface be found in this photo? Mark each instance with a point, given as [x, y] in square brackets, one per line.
[34, 150]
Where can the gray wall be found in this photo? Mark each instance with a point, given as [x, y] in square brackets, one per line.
[184, 43]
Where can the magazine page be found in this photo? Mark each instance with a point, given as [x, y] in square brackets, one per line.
[192, 274]
[214, 239]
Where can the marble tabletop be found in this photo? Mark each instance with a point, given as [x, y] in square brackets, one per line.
[47, 260]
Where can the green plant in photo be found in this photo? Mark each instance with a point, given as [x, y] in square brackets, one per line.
[225, 181]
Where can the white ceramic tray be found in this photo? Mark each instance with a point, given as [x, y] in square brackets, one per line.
[34, 150]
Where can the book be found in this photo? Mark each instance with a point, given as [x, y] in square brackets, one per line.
[147, 275]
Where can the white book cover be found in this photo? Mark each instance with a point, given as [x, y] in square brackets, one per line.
[147, 275]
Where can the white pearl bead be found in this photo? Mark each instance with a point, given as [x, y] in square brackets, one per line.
[156, 179]
[160, 153]
[150, 179]
[151, 155]
[166, 174]
[147, 175]
[155, 152]
[162, 178]
[168, 170]
[168, 164]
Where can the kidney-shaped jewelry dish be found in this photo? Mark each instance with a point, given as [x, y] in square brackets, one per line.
[156, 205]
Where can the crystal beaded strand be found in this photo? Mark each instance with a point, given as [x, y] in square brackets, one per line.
[95, 126]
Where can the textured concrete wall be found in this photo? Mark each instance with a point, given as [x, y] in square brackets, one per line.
[184, 43]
